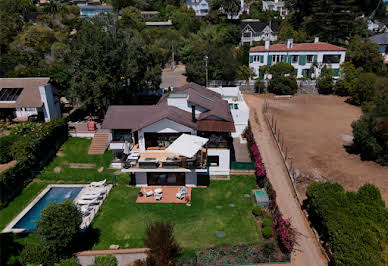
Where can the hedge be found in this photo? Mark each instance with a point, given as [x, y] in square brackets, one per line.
[5, 147]
[32, 152]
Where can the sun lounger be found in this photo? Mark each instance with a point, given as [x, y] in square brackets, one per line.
[148, 193]
[98, 184]
[87, 202]
[158, 196]
[181, 193]
[90, 197]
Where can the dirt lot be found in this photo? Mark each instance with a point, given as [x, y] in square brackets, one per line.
[315, 129]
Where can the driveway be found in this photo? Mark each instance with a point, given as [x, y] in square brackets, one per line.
[307, 251]
[173, 78]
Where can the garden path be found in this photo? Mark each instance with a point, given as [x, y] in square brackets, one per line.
[307, 251]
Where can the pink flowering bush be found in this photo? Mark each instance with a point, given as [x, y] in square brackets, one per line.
[286, 235]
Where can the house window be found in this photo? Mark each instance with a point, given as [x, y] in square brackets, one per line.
[295, 59]
[282, 58]
[231, 106]
[331, 59]
[310, 58]
[213, 160]
[30, 109]
[236, 106]
[247, 35]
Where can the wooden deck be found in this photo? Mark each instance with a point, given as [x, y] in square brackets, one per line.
[169, 195]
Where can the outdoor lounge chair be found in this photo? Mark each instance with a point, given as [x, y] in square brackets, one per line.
[87, 202]
[181, 193]
[90, 196]
[148, 193]
[158, 196]
[98, 184]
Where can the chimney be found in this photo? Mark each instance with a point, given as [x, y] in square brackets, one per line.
[316, 39]
[289, 43]
[193, 114]
[267, 44]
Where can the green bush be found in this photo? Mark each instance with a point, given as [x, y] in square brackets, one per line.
[257, 211]
[268, 248]
[108, 260]
[34, 255]
[283, 85]
[69, 262]
[58, 226]
[23, 129]
[268, 215]
[266, 222]
[267, 232]
[325, 84]
[32, 152]
[354, 224]
[5, 146]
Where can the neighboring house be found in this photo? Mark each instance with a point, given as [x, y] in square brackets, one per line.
[202, 7]
[90, 11]
[376, 26]
[149, 14]
[382, 41]
[191, 123]
[21, 98]
[276, 5]
[85, 2]
[254, 30]
[238, 107]
[308, 59]
[159, 24]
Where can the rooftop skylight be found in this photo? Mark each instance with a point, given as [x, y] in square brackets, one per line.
[207, 98]
[10, 94]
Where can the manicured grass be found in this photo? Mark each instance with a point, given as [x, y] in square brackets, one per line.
[19, 203]
[123, 221]
[75, 150]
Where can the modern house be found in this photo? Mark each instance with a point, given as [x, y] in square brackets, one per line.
[238, 107]
[202, 7]
[254, 30]
[149, 14]
[308, 59]
[90, 11]
[182, 140]
[23, 98]
[276, 5]
[382, 41]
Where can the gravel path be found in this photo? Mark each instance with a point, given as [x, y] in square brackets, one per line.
[307, 251]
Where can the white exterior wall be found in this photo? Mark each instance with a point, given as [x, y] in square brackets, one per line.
[141, 179]
[184, 105]
[51, 107]
[256, 65]
[200, 7]
[191, 179]
[22, 112]
[224, 161]
[163, 126]
[276, 5]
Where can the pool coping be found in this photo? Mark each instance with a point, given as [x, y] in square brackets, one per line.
[9, 228]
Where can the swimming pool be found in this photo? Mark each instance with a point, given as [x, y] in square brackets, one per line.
[53, 194]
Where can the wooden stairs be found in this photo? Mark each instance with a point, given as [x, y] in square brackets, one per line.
[99, 144]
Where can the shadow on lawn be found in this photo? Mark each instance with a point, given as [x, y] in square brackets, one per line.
[9, 248]
[87, 239]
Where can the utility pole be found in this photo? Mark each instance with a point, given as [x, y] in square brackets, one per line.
[206, 59]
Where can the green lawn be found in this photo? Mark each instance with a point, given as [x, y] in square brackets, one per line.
[19, 203]
[122, 221]
[75, 150]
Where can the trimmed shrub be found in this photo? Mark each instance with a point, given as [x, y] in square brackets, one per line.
[268, 248]
[5, 147]
[268, 215]
[257, 211]
[266, 222]
[107, 260]
[34, 255]
[267, 232]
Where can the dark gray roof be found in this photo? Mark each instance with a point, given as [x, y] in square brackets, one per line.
[380, 38]
[136, 117]
[258, 26]
[208, 99]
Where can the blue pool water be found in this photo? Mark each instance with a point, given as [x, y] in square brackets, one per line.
[55, 194]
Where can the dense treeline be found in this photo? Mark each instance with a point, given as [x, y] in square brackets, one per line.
[354, 224]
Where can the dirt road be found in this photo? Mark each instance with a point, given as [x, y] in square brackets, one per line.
[307, 251]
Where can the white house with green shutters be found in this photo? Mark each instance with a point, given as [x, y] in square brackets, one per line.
[308, 59]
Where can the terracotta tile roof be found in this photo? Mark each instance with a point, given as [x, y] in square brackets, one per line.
[215, 126]
[30, 95]
[320, 46]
